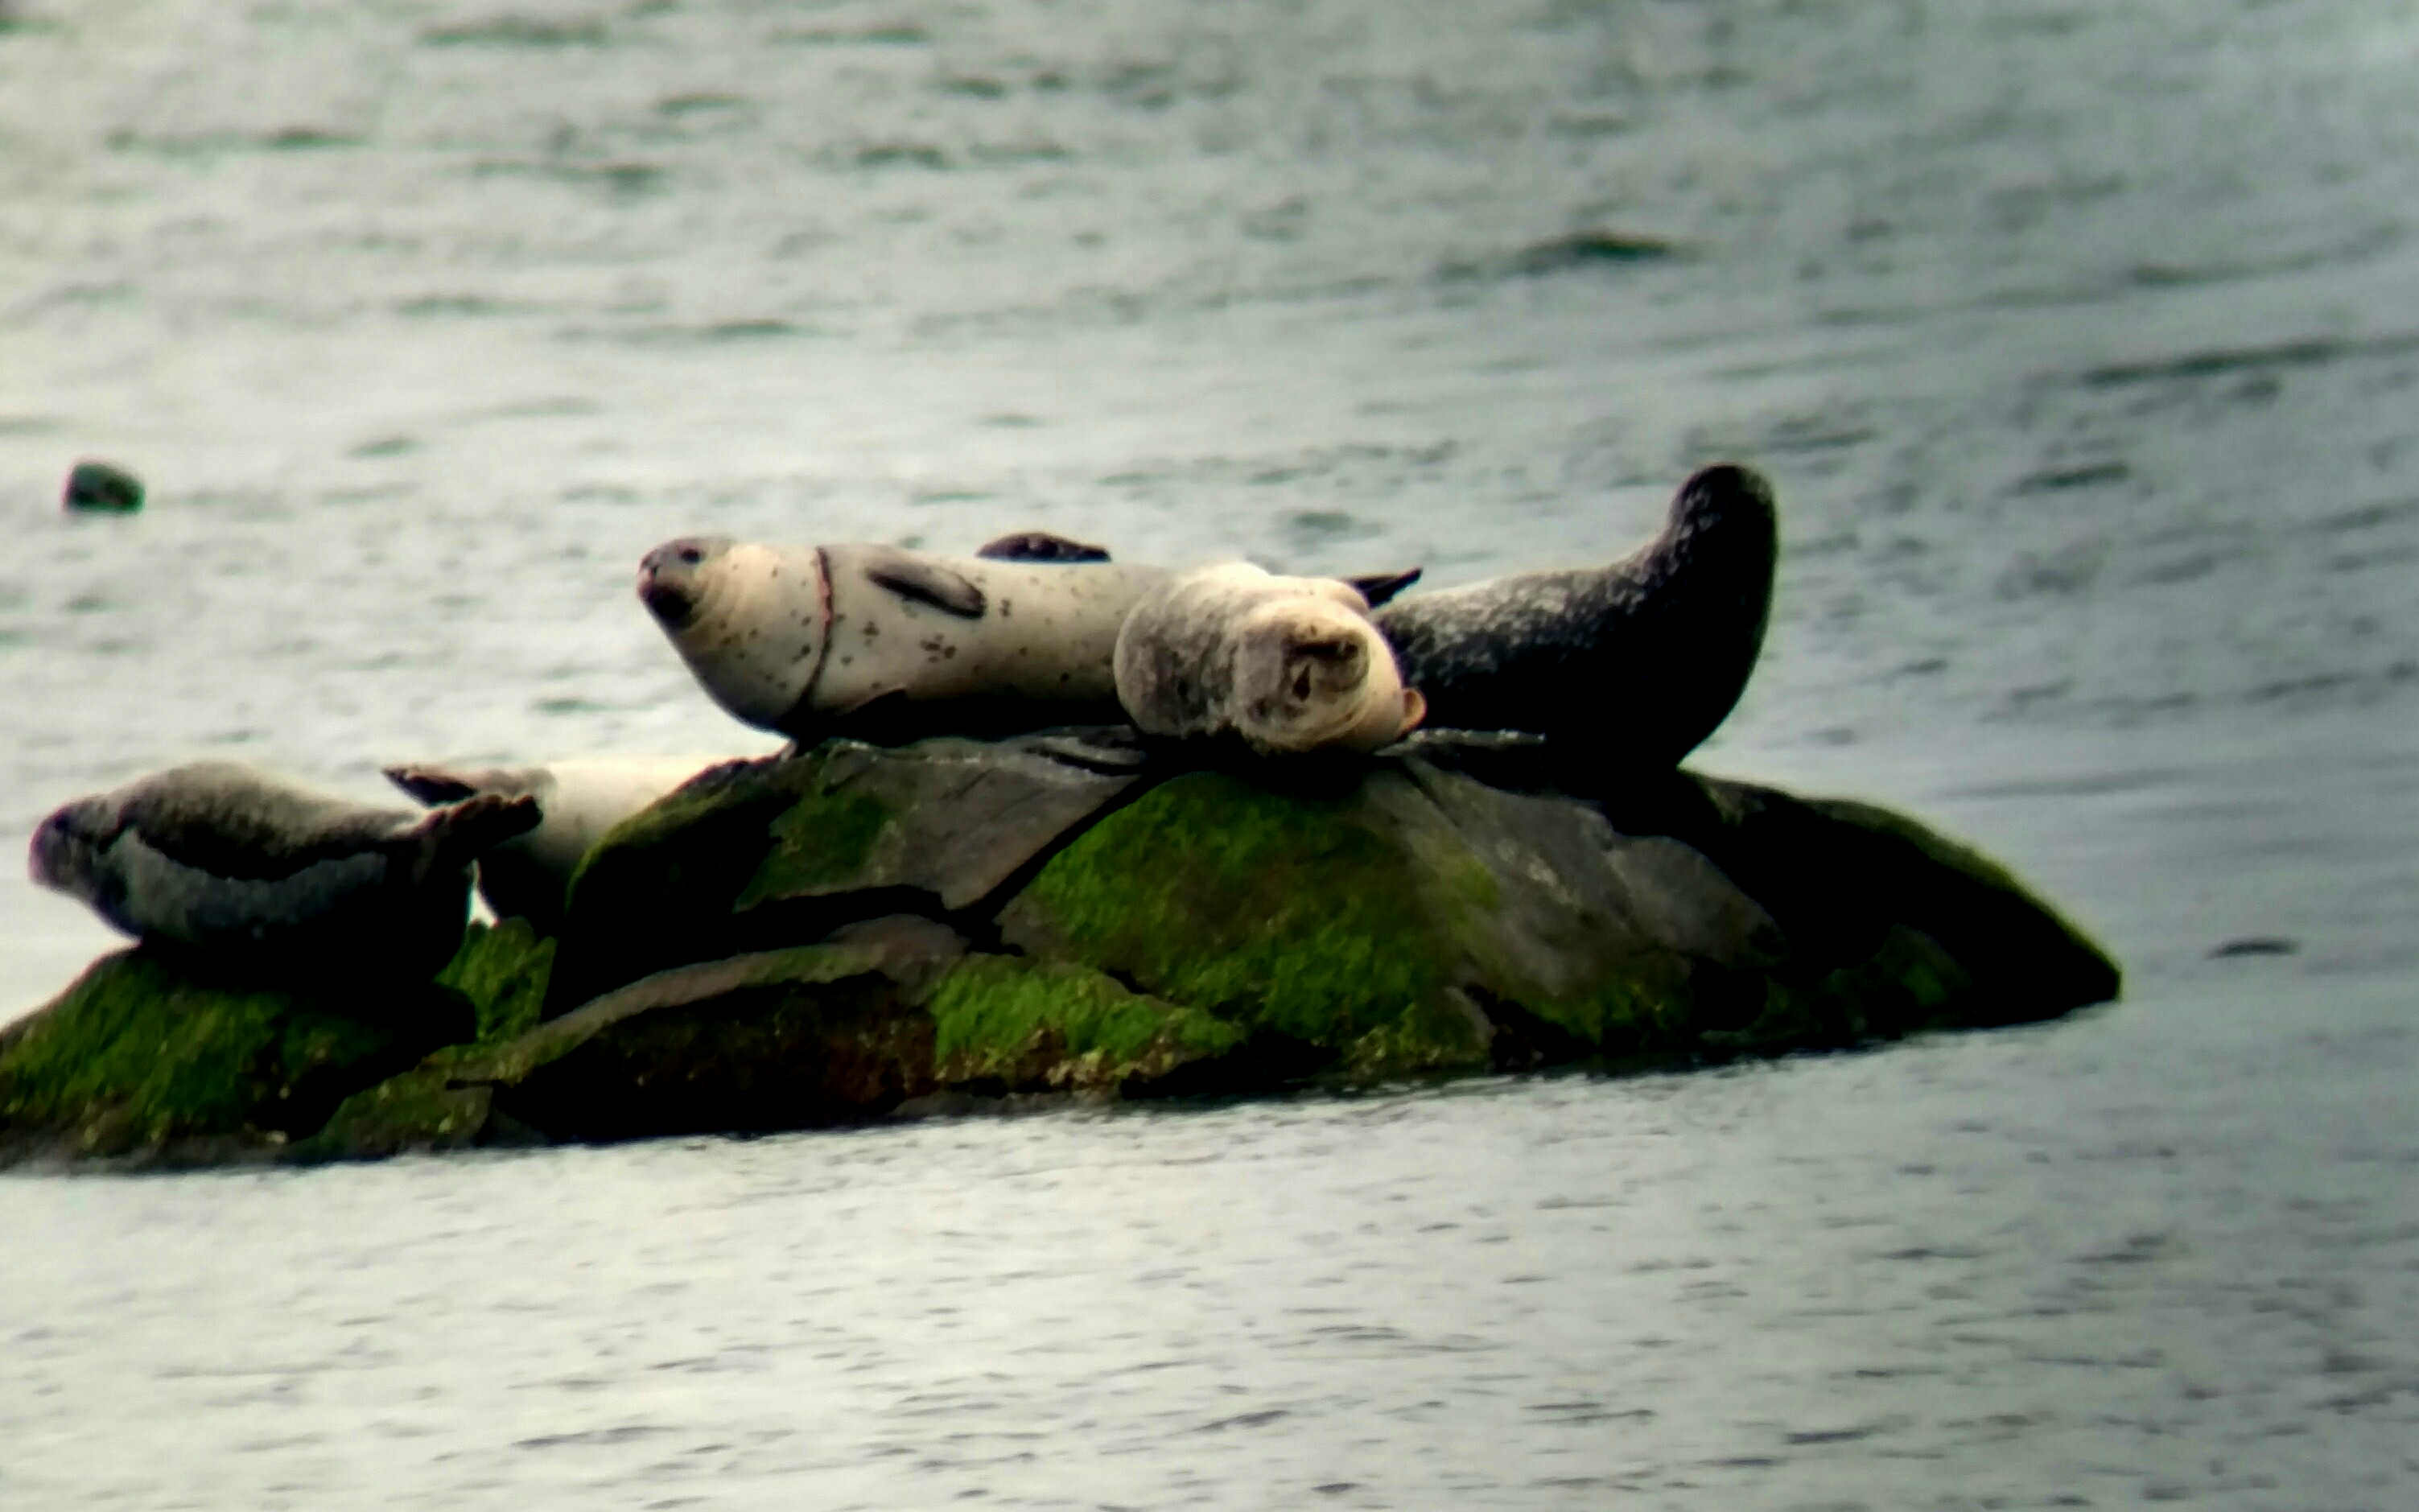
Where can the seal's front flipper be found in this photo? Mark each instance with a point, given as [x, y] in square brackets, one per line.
[1041, 545]
[459, 834]
[1377, 587]
[432, 785]
[925, 582]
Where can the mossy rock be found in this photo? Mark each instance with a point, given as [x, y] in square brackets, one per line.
[895, 1011]
[1418, 920]
[769, 854]
[838, 936]
[1013, 1023]
[142, 1059]
[1382, 936]
[502, 971]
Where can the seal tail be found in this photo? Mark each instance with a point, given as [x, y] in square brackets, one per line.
[458, 834]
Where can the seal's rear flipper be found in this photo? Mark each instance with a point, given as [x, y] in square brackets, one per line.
[1041, 545]
[432, 785]
[458, 834]
[1377, 587]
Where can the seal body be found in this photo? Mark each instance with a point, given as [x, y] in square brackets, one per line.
[886, 644]
[578, 801]
[224, 861]
[1642, 658]
[1285, 664]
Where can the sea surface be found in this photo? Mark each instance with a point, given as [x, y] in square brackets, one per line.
[2081, 340]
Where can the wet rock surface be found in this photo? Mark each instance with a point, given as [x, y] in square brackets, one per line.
[856, 933]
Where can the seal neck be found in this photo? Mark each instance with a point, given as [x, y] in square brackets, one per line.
[805, 703]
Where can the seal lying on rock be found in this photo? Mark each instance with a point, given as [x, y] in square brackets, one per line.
[889, 645]
[223, 860]
[1289, 664]
[1640, 659]
[880, 642]
[577, 802]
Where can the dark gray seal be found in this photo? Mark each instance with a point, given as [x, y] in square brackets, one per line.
[223, 861]
[1639, 661]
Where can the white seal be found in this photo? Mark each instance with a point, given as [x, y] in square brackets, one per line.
[888, 644]
[1286, 664]
[578, 801]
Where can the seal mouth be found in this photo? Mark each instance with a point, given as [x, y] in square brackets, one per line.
[668, 582]
[672, 605]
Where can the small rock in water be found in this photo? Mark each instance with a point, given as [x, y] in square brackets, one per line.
[99, 488]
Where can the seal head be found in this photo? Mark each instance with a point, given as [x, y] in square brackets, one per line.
[752, 622]
[1287, 665]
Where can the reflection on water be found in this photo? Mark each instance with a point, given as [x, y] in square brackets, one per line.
[2076, 339]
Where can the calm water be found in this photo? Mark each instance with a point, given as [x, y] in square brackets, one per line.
[2083, 342]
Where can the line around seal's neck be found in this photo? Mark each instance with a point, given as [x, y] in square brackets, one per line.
[823, 641]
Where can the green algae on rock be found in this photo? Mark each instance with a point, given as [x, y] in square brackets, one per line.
[140, 1058]
[1285, 913]
[893, 1010]
[1014, 1024]
[504, 970]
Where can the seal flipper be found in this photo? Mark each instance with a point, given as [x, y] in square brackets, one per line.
[925, 582]
[459, 834]
[1041, 545]
[1380, 587]
[432, 785]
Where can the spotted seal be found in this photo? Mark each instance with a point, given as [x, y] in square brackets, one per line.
[577, 802]
[1286, 664]
[887, 645]
[1640, 659]
[225, 861]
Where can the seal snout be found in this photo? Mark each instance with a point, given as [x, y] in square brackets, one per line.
[62, 848]
[668, 576]
[48, 849]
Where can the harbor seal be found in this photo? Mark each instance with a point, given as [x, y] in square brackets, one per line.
[890, 645]
[1640, 659]
[577, 802]
[1286, 664]
[227, 862]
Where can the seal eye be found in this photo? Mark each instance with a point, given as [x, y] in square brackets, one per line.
[689, 555]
